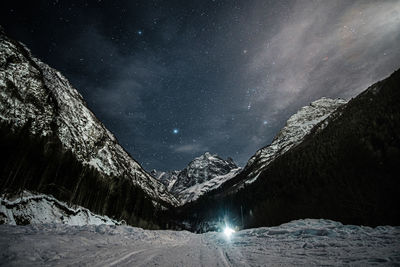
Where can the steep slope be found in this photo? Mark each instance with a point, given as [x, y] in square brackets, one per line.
[195, 191]
[296, 128]
[203, 174]
[202, 169]
[34, 95]
[168, 178]
[346, 169]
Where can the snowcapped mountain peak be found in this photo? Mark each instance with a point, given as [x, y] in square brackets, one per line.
[202, 169]
[204, 161]
[207, 154]
[203, 173]
[296, 128]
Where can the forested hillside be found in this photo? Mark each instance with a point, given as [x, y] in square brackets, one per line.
[41, 164]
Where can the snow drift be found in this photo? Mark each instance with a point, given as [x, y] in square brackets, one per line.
[30, 208]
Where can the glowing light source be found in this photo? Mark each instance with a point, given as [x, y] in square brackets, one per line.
[175, 131]
[228, 231]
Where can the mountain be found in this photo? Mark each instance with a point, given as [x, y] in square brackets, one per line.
[202, 169]
[203, 174]
[38, 102]
[297, 127]
[345, 169]
[209, 172]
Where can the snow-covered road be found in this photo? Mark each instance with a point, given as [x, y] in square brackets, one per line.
[301, 242]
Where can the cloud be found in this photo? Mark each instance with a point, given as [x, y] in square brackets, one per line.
[327, 48]
[320, 48]
[189, 148]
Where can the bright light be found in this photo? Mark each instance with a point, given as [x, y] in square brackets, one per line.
[228, 231]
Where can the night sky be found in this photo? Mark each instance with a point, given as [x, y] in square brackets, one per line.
[174, 79]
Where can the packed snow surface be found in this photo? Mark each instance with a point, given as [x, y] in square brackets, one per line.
[301, 242]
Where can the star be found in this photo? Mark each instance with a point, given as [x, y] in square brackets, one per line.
[139, 32]
[265, 122]
[175, 131]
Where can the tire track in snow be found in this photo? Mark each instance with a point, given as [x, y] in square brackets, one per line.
[224, 258]
[120, 260]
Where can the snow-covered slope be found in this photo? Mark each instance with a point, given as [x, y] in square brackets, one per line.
[203, 174]
[202, 169]
[298, 243]
[35, 95]
[296, 128]
[168, 178]
[193, 192]
[30, 208]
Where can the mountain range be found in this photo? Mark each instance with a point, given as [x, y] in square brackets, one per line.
[208, 172]
[203, 174]
[346, 169]
[333, 159]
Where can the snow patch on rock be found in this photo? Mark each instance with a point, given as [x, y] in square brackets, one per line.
[203, 174]
[194, 192]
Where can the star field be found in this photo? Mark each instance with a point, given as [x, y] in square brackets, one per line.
[174, 79]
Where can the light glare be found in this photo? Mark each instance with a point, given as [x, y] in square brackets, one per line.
[228, 231]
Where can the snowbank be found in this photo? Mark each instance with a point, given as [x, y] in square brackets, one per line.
[30, 208]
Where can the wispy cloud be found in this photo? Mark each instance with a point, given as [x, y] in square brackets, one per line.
[190, 148]
[327, 48]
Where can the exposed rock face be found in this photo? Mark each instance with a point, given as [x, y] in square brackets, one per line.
[202, 169]
[296, 128]
[203, 174]
[168, 178]
[195, 191]
[34, 95]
